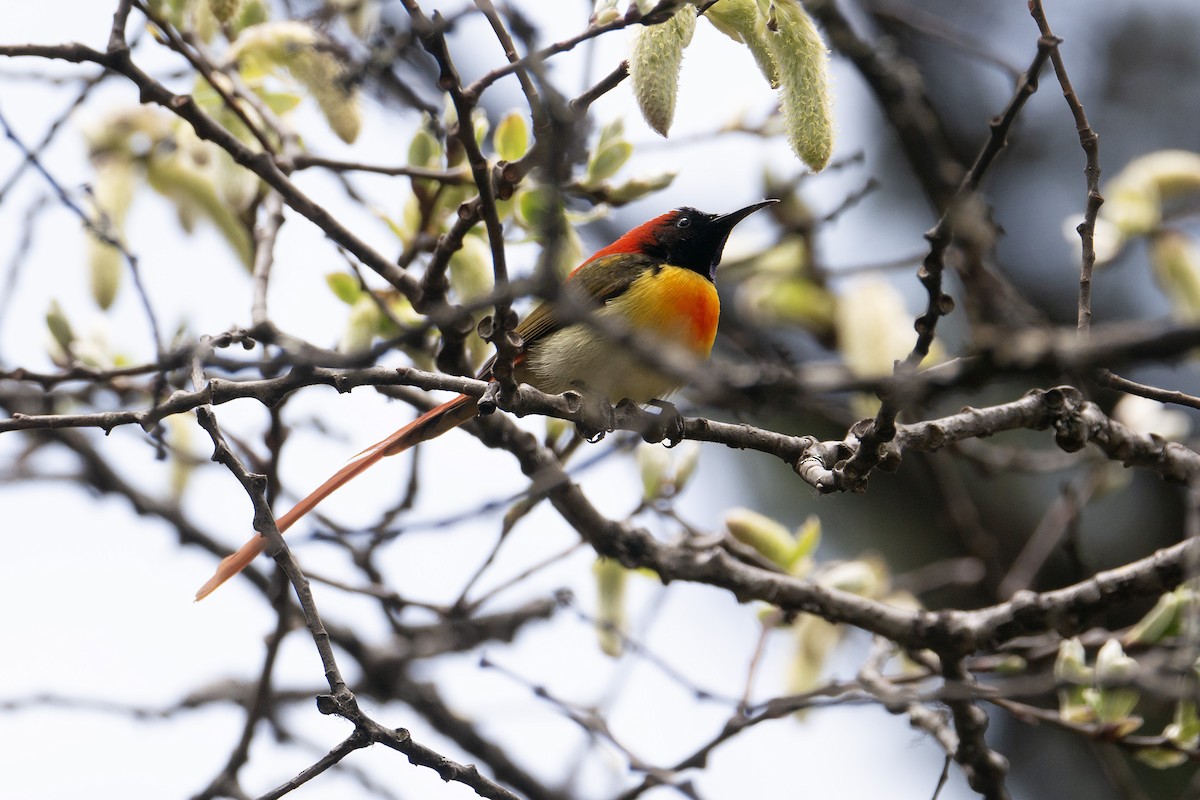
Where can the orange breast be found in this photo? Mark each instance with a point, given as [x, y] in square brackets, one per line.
[676, 304]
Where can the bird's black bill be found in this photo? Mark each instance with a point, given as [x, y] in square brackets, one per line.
[727, 221]
[721, 226]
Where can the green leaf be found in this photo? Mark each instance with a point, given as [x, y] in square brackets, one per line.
[612, 132]
[181, 178]
[605, 162]
[1184, 730]
[687, 459]
[611, 579]
[362, 325]
[1134, 198]
[814, 640]
[424, 151]
[280, 102]
[471, 272]
[1157, 622]
[1176, 262]
[480, 125]
[796, 301]
[511, 137]
[807, 539]
[344, 286]
[254, 12]
[534, 207]
[299, 48]
[1160, 757]
[60, 327]
[654, 463]
[771, 539]
[112, 192]
[106, 265]
[1070, 666]
[637, 188]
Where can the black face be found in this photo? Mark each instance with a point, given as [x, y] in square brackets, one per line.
[695, 240]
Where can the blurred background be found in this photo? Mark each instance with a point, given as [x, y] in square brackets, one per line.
[108, 661]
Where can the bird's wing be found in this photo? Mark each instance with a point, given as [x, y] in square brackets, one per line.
[599, 280]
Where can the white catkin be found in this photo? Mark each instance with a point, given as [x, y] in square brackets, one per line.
[803, 62]
[296, 47]
[654, 66]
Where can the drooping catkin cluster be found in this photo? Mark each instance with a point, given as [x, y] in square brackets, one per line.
[300, 50]
[145, 146]
[654, 66]
[802, 65]
[785, 45]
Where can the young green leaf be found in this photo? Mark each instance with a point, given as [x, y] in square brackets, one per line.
[345, 287]
[1175, 259]
[112, 193]
[1134, 198]
[770, 538]
[60, 327]
[637, 188]
[511, 137]
[605, 162]
[611, 579]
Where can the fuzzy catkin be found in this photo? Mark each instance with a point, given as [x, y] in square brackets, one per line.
[803, 64]
[654, 66]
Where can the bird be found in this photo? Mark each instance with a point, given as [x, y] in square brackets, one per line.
[658, 280]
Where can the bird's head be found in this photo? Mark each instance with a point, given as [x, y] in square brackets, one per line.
[684, 238]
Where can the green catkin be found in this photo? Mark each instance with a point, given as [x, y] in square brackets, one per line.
[803, 63]
[654, 66]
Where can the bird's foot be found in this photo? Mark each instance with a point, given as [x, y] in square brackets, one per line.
[666, 426]
[596, 416]
[671, 421]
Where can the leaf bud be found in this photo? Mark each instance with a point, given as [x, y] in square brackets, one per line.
[606, 161]
[604, 12]
[60, 327]
[611, 580]
[654, 464]
[637, 188]
[1175, 259]
[344, 286]
[771, 539]
[511, 138]
[1113, 667]
[1134, 198]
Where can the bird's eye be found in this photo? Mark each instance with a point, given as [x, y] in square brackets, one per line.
[683, 222]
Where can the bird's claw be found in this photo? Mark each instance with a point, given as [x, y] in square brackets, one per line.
[667, 425]
[596, 417]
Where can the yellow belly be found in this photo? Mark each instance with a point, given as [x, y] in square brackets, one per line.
[673, 306]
